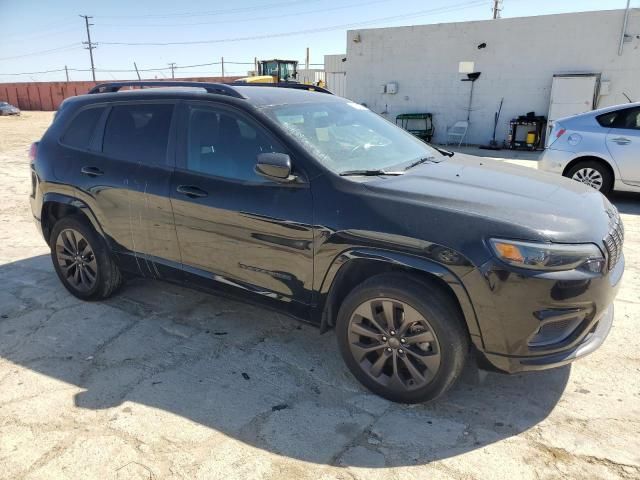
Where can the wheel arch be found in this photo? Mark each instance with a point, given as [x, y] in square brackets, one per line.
[56, 206]
[591, 158]
[351, 268]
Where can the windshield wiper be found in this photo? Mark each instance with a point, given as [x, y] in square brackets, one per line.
[446, 153]
[423, 160]
[367, 173]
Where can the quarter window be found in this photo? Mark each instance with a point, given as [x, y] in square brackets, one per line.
[606, 119]
[224, 144]
[81, 128]
[138, 133]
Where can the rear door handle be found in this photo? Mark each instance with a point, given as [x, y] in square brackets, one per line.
[191, 191]
[621, 140]
[91, 171]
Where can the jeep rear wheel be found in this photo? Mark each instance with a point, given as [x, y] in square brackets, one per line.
[82, 260]
[401, 338]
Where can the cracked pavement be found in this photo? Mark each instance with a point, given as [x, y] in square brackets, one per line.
[163, 382]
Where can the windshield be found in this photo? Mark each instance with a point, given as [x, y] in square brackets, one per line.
[347, 136]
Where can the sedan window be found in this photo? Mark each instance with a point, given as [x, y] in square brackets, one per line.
[630, 119]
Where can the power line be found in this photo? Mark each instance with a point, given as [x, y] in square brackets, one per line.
[215, 12]
[35, 73]
[44, 52]
[38, 31]
[38, 36]
[242, 20]
[419, 13]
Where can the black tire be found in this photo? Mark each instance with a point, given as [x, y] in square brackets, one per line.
[445, 322]
[106, 277]
[587, 165]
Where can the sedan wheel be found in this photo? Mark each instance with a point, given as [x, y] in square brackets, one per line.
[589, 176]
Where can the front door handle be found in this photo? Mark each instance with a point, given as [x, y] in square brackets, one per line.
[191, 191]
[621, 140]
[91, 171]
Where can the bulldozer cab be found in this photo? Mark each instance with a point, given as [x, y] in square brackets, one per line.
[279, 70]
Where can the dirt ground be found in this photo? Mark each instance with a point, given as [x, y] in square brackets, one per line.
[162, 382]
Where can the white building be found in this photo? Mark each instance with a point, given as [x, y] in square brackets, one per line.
[517, 58]
[335, 68]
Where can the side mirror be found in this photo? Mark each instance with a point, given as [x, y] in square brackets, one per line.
[274, 165]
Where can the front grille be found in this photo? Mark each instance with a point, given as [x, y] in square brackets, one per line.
[614, 239]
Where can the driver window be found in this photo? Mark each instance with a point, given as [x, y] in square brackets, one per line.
[224, 144]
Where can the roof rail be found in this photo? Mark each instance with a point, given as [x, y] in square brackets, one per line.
[217, 88]
[296, 86]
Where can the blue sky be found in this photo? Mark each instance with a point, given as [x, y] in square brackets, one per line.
[45, 35]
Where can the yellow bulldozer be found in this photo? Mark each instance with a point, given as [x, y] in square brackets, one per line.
[275, 71]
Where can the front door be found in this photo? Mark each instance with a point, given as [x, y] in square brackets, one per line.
[623, 142]
[238, 230]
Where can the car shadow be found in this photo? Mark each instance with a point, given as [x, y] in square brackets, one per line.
[156, 351]
[626, 202]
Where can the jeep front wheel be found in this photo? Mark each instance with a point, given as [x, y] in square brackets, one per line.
[402, 338]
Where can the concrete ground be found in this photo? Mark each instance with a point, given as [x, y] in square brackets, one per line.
[162, 382]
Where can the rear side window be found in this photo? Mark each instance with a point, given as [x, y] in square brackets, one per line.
[628, 119]
[81, 128]
[138, 133]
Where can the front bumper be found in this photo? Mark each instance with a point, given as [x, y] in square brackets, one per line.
[534, 321]
[590, 343]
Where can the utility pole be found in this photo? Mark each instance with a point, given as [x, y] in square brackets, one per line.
[66, 72]
[89, 46]
[172, 65]
[222, 63]
[497, 8]
[306, 63]
[624, 28]
[255, 65]
[137, 72]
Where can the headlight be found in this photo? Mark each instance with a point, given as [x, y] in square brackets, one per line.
[549, 256]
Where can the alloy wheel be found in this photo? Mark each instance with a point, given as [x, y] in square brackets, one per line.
[394, 344]
[589, 176]
[76, 260]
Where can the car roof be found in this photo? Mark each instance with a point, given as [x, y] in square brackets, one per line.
[256, 95]
[599, 111]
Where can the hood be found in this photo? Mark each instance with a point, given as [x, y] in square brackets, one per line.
[554, 207]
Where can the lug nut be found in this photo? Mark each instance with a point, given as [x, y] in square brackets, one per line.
[392, 332]
[389, 350]
[384, 339]
[400, 351]
[403, 340]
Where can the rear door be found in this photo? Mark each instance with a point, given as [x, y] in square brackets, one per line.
[238, 230]
[98, 181]
[138, 149]
[623, 142]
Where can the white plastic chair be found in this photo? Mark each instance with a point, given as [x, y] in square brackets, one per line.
[458, 131]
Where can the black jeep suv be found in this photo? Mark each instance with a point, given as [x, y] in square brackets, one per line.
[309, 203]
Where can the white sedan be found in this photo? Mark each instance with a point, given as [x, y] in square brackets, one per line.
[599, 148]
